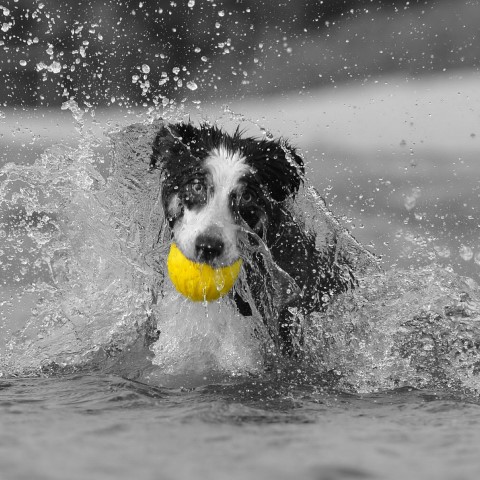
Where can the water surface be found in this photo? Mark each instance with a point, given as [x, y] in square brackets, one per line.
[391, 387]
[102, 426]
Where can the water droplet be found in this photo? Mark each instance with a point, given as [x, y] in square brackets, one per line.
[191, 3]
[442, 251]
[55, 67]
[221, 13]
[192, 85]
[476, 258]
[145, 68]
[411, 200]
[23, 63]
[268, 135]
[466, 253]
[77, 112]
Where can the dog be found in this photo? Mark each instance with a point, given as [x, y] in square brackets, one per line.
[227, 196]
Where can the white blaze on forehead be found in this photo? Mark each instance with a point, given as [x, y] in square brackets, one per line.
[226, 169]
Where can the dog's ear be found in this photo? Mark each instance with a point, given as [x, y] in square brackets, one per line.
[279, 168]
[179, 142]
[167, 145]
[172, 154]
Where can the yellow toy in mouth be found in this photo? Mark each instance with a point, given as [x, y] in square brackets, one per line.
[199, 281]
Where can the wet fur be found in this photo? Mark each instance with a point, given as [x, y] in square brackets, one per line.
[180, 151]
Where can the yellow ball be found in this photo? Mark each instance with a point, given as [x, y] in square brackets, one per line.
[199, 281]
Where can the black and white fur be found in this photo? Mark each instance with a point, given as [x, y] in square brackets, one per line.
[220, 191]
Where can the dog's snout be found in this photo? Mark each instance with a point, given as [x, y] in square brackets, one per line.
[208, 248]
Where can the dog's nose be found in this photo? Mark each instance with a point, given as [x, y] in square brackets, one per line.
[207, 248]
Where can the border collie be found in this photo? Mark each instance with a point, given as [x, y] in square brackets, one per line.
[229, 196]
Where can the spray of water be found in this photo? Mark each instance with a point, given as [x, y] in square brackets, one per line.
[84, 253]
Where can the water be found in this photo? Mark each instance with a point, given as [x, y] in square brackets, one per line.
[101, 426]
[388, 386]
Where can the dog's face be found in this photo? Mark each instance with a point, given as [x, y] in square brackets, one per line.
[216, 186]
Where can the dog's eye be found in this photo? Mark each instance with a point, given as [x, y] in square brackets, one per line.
[195, 193]
[250, 209]
[198, 188]
[247, 197]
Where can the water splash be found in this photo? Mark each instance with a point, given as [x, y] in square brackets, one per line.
[199, 341]
[416, 328]
[92, 293]
[87, 252]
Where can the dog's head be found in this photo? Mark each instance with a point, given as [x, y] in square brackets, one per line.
[216, 185]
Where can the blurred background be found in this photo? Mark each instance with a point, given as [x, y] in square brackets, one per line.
[382, 97]
[132, 52]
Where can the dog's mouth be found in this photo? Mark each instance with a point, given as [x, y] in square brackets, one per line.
[217, 264]
[209, 254]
